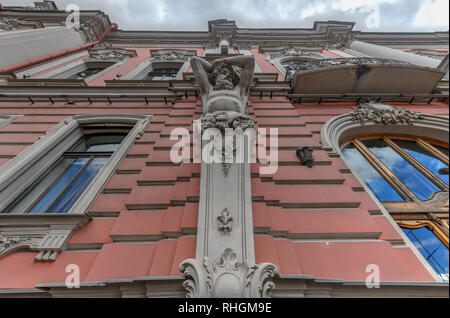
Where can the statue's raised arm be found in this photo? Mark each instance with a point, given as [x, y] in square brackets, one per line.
[221, 87]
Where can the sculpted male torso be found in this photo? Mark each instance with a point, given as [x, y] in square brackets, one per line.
[220, 86]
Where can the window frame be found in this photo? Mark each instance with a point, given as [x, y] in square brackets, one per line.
[414, 212]
[430, 126]
[24, 170]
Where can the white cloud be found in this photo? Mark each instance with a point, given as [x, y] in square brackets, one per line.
[433, 13]
[192, 15]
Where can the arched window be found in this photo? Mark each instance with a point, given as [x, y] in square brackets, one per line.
[410, 176]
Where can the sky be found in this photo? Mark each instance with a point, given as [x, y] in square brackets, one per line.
[193, 15]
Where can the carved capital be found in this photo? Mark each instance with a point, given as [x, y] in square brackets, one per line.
[226, 277]
[383, 114]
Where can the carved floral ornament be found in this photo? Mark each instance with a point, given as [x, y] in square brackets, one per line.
[226, 277]
[383, 114]
[104, 52]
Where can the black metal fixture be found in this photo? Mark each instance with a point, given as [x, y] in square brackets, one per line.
[305, 155]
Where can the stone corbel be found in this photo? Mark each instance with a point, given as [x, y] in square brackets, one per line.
[47, 234]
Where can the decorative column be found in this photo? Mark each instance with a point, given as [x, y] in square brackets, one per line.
[224, 266]
[374, 50]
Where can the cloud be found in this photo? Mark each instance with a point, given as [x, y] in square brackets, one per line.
[192, 15]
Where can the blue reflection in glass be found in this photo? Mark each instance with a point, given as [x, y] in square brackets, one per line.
[431, 248]
[46, 201]
[410, 176]
[424, 157]
[379, 186]
[77, 188]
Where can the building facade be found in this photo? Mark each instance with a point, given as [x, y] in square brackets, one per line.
[102, 193]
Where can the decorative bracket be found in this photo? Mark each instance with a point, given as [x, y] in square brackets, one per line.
[226, 277]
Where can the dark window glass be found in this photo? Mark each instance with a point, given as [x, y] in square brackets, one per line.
[86, 73]
[431, 248]
[63, 185]
[379, 186]
[162, 74]
[433, 164]
[410, 176]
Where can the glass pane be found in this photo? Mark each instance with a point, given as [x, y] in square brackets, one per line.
[379, 186]
[99, 143]
[46, 201]
[77, 188]
[424, 157]
[162, 74]
[86, 73]
[431, 248]
[39, 188]
[410, 176]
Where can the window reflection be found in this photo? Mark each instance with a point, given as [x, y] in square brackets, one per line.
[432, 250]
[379, 186]
[64, 184]
[410, 176]
[424, 157]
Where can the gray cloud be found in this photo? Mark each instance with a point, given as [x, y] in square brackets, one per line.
[192, 15]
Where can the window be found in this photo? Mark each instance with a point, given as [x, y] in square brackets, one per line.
[410, 176]
[85, 73]
[65, 170]
[49, 187]
[162, 74]
[68, 178]
[431, 248]
[81, 70]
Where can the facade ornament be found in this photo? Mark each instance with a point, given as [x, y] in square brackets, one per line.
[170, 57]
[48, 246]
[383, 114]
[87, 33]
[292, 51]
[225, 220]
[226, 277]
[226, 167]
[10, 243]
[292, 67]
[219, 37]
[103, 52]
[9, 23]
[341, 40]
[305, 155]
[223, 119]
